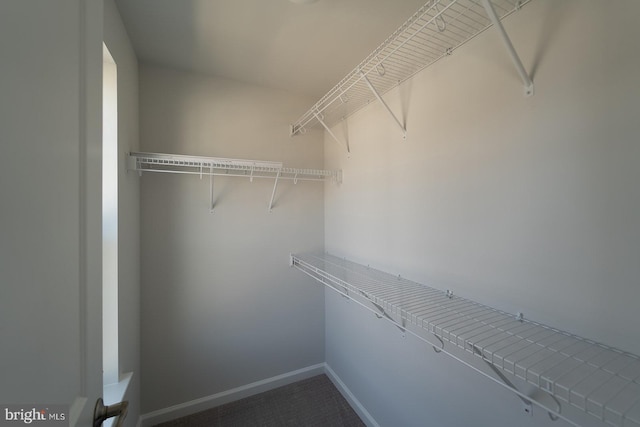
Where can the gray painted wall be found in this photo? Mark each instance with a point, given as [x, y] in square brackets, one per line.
[524, 204]
[41, 140]
[50, 270]
[220, 306]
[116, 39]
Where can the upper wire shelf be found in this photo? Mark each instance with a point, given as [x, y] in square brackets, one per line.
[599, 380]
[433, 32]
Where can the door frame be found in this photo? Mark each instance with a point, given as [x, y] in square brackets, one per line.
[90, 186]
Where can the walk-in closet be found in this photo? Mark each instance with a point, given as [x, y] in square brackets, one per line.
[391, 213]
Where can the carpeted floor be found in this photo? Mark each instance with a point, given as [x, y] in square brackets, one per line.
[311, 402]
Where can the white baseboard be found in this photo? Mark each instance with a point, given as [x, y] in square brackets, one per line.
[350, 397]
[208, 402]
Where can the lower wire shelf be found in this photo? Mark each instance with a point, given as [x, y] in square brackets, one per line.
[599, 380]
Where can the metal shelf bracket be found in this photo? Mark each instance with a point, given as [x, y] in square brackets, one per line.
[320, 120]
[491, 13]
[384, 315]
[384, 104]
[273, 193]
[212, 202]
[527, 404]
[436, 349]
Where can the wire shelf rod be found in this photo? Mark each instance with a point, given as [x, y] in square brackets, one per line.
[460, 336]
[235, 175]
[413, 54]
[523, 343]
[488, 320]
[343, 87]
[495, 328]
[373, 283]
[427, 16]
[427, 317]
[434, 31]
[464, 318]
[409, 308]
[574, 370]
[406, 59]
[395, 298]
[524, 349]
[312, 272]
[215, 166]
[414, 33]
[155, 162]
[437, 310]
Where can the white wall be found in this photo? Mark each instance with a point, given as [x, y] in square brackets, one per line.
[220, 306]
[41, 142]
[50, 190]
[524, 204]
[116, 39]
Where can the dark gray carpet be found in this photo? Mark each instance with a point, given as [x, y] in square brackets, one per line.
[311, 402]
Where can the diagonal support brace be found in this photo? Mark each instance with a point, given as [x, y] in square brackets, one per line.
[528, 405]
[375, 92]
[384, 314]
[273, 193]
[333, 135]
[211, 200]
[491, 13]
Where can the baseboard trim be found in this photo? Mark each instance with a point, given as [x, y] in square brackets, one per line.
[208, 402]
[350, 397]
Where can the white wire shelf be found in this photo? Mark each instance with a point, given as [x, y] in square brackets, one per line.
[219, 166]
[195, 165]
[599, 380]
[436, 30]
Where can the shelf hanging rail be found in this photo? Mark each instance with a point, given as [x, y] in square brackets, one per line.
[212, 166]
[577, 373]
[436, 30]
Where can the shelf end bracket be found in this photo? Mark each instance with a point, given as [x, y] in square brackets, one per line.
[132, 163]
[526, 79]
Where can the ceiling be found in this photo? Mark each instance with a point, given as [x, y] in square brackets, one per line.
[302, 48]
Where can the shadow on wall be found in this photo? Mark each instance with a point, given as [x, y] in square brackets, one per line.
[554, 16]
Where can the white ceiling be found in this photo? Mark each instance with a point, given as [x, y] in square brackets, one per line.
[303, 48]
